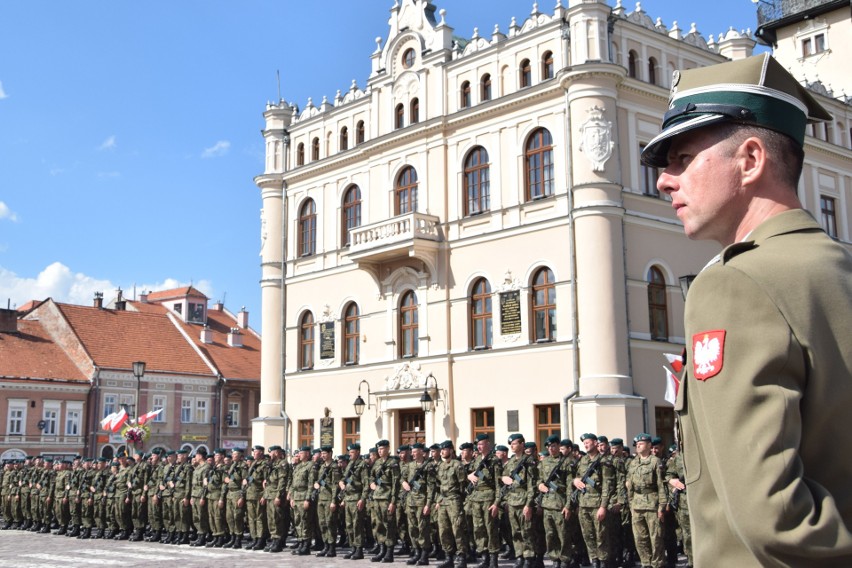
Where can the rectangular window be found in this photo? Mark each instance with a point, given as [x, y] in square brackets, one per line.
[186, 410]
[160, 403]
[665, 420]
[807, 47]
[547, 419]
[178, 308]
[482, 422]
[306, 433]
[351, 432]
[648, 178]
[196, 313]
[73, 416]
[51, 418]
[201, 411]
[233, 418]
[16, 424]
[110, 404]
[127, 400]
[828, 215]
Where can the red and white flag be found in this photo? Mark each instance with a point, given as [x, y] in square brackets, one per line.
[148, 416]
[105, 423]
[118, 421]
[672, 386]
[676, 361]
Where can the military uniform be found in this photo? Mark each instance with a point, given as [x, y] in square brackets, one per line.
[166, 495]
[483, 498]
[304, 476]
[419, 480]
[355, 484]
[235, 507]
[255, 510]
[679, 502]
[198, 499]
[181, 492]
[452, 526]
[599, 493]
[384, 486]
[217, 499]
[555, 474]
[275, 488]
[647, 495]
[325, 493]
[521, 474]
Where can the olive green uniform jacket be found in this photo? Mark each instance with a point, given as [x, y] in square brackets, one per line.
[766, 433]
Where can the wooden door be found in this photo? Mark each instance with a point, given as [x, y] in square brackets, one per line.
[412, 427]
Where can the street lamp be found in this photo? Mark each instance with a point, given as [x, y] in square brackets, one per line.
[138, 372]
[426, 402]
[685, 283]
[359, 402]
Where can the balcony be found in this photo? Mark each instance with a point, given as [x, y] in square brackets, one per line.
[414, 235]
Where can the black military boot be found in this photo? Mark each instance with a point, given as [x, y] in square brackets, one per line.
[380, 554]
[448, 563]
[373, 549]
[493, 563]
[322, 552]
[230, 542]
[305, 549]
[86, 534]
[415, 557]
[388, 557]
[486, 560]
[277, 545]
[332, 551]
[184, 538]
[424, 559]
[461, 561]
[75, 531]
[238, 542]
[405, 549]
[350, 554]
[358, 553]
[521, 562]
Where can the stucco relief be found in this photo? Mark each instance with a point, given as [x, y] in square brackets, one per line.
[407, 376]
[406, 86]
[596, 138]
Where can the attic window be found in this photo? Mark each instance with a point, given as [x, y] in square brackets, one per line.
[196, 313]
[408, 58]
[178, 308]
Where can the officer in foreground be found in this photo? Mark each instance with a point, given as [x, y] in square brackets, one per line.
[768, 324]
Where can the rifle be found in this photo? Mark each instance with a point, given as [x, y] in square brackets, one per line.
[575, 494]
[674, 500]
[378, 479]
[549, 482]
[515, 475]
[414, 482]
[478, 472]
[321, 481]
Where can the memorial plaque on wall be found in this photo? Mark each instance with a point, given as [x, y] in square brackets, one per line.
[512, 420]
[510, 312]
[327, 433]
[327, 340]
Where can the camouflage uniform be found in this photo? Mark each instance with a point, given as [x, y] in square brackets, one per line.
[452, 526]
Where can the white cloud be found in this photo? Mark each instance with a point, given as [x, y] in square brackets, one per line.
[108, 144]
[59, 282]
[218, 149]
[6, 213]
[3, 94]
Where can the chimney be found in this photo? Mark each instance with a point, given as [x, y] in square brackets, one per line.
[242, 318]
[143, 297]
[120, 304]
[218, 306]
[99, 300]
[8, 321]
[206, 335]
[235, 338]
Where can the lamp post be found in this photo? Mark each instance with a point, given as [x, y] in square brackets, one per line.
[427, 404]
[138, 372]
[685, 283]
[359, 402]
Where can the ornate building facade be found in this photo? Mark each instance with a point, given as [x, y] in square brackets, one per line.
[468, 243]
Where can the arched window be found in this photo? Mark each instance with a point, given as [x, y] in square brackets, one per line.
[547, 65]
[652, 71]
[476, 182]
[399, 116]
[480, 315]
[544, 306]
[414, 111]
[359, 132]
[315, 149]
[657, 305]
[344, 139]
[351, 213]
[632, 60]
[539, 165]
[408, 326]
[300, 154]
[306, 341]
[485, 87]
[525, 71]
[308, 228]
[351, 335]
[465, 95]
[406, 191]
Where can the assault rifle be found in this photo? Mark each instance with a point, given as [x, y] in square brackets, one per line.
[414, 482]
[316, 491]
[478, 472]
[515, 475]
[378, 478]
[575, 494]
[549, 482]
[674, 500]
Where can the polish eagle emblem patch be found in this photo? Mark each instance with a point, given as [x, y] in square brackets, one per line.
[708, 353]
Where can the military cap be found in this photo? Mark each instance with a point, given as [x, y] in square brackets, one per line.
[566, 442]
[373, 450]
[103, 459]
[603, 439]
[418, 446]
[403, 448]
[201, 450]
[501, 448]
[616, 442]
[171, 453]
[274, 448]
[259, 448]
[354, 446]
[325, 448]
[343, 457]
[588, 436]
[305, 449]
[755, 91]
[238, 450]
[530, 445]
[552, 439]
[183, 451]
[46, 460]
[435, 446]
[249, 458]
[315, 451]
[29, 457]
[481, 437]
[516, 436]
[642, 438]
[446, 445]
[382, 443]
[466, 446]
[656, 441]
[220, 451]
[115, 464]
[673, 448]
[121, 454]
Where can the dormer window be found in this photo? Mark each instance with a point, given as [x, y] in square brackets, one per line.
[196, 313]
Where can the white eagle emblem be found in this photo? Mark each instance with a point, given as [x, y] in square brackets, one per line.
[706, 353]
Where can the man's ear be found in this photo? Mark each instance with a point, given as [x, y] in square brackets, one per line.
[752, 159]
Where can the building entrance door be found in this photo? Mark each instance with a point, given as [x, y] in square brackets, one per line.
[412, 427]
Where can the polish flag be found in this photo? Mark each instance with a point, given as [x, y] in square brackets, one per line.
[672, 386]
[148, 416]
[118, 420]
[676, 361]
[105, 423]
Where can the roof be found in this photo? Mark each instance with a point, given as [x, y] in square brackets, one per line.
[116, 338]
[31, 354]
[186, 291]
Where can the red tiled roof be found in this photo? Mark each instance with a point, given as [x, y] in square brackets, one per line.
[28, 306]
[32, 354]
[176, 293]
[116, 338]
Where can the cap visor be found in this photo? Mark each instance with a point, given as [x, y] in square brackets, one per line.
[655, 152]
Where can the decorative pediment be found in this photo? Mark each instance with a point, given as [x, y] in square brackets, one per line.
[407, 375]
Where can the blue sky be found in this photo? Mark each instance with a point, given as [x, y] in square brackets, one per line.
[130, 131]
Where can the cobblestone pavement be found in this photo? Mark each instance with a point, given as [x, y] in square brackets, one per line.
[23, 549]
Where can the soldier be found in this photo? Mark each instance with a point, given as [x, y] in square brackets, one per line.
[555, 474]
[216, 499]
[595, 489]
[658, 449]
[465, 457]
[404, 458]
[449, 505]
[235, 508]
[198, 497]
[166, 496]
[623, 547]
[618, 501]
[647, 495]
[483, 501]
[253, 487]
[519, 479]
[355, 485]
[304, 476]
[275, 499]
[61, 494]
[75, 477]
[418, 480]
[137, 479]
[152, 495]
[676, 479]
[384, 490]
[87, 501]
[44, 487]
[324, 494]
[181, 492]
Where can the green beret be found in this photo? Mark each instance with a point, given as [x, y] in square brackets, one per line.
[220, 451]
[513, 437]
[171, 453]
[403, 448]
[588, 436]
[305, 449]
[481, 437]
[259, 448]
[754, 91]
[566, 442]
[275, 448]
[501, 448]
[325, 448]
[373, 450]
[249, 458]
[418, 446]
[343, 457]
[183, 451]
[603, 439]
[530, 445]
[354, 446]
[121, 454]
[616, 442]
[201, 450]
[466, 446]
[238, 450]
[435, 446]
[673, 448]
[642, 438]
[103, 459]
[382, 443]
[552, 439]
[315, 451]
[446, 445]
[656, 441]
